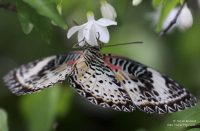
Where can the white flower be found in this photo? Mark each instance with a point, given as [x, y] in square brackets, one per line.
[198, 2]
[92, 30]
[184, 20]
[107, 10]
[136, 2]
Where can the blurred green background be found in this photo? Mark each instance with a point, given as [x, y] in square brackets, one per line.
[176, 55]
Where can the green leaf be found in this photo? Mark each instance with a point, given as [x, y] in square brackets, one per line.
[194, 129]
[29, 18]
[64, 101]
[121, 8]
[59, 8]
[166, 7]
[193, 119]
[48, 9]
[181, 1]
[26, 25]
[157, 3]
[3, 120]
[40, 109]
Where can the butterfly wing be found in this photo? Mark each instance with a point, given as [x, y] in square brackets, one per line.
[40, 74]
[150, 91]
[93, 79]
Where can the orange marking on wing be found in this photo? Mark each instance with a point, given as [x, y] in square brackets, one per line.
[116, 57]
[119, 77]
[121, 73]
[145, 103]
[70, 62]
[61, 68]
[81, 65]
[74, 63]
[112, 66]
[132, 77]
[76, 52]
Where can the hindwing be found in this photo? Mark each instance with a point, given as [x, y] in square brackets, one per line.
[150, 91]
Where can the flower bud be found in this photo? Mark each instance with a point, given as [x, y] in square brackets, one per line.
[136, 2]
[186, 18]
[107, 10]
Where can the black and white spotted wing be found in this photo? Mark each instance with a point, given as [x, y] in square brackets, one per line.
[94, 79]
[40, 74]
[105, 80]
[87, 72]
[149, 90]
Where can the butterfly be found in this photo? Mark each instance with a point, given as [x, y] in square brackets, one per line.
[103, 79]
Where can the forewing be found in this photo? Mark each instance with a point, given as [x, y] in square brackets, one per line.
[40, 74]
[93, 79]
[150, 91]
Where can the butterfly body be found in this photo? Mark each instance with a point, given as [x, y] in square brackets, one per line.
[94, 79]
[106, 80]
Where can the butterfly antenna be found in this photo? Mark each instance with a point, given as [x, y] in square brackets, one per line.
[125, 44]
[75, 22]
[75, 46]
[99, 45]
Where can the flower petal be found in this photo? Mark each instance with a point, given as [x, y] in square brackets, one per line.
[92, 37]
[113, 12]
[90, 16]
[102, 33]
[105, 22]
[186, 18]
[86, 31]
[136, 2]
[73, 30]
[198, 2]
[108, 11]
[81, 37]
[90, 31]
